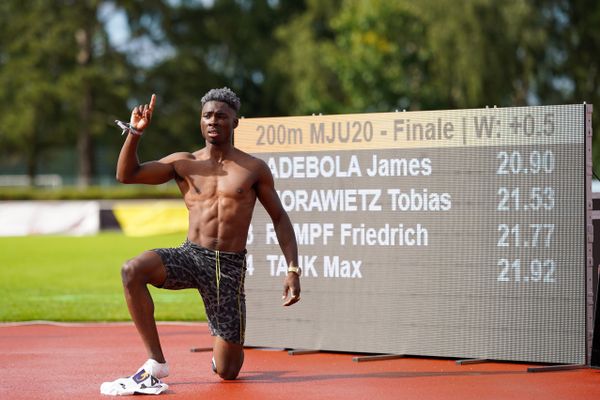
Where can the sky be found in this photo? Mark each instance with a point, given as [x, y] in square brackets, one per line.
[146, 52]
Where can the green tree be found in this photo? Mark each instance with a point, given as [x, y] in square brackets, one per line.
[484, 52]
[223, 43]
[30, 67]
[62, 81]
[572, 64]
[376, 55]
[65, 82]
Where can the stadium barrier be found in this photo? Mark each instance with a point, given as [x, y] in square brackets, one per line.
[77, 218]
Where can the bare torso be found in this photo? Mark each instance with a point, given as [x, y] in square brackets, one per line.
[220, 197]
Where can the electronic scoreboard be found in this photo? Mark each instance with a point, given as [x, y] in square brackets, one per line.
[459, 233]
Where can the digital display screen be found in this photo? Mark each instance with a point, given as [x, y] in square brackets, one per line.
[455, 233]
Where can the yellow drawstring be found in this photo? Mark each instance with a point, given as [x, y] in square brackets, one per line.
[218, 275]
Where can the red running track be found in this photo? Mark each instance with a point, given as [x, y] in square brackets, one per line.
[70, 361]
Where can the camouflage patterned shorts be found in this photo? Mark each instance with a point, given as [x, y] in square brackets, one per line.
[219, 277]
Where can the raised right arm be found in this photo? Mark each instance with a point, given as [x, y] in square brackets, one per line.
[129, 169]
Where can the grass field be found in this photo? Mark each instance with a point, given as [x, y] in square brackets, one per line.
[60, 278]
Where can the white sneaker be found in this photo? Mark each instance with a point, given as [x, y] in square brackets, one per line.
[145, 381]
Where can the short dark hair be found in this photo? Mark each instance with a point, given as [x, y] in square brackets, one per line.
[223, 94]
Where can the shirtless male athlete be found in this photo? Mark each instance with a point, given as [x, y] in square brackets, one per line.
[220, 185]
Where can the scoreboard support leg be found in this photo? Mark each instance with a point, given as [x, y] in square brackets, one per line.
[551, 368]
[378, 357]
[471, 361]
[302, 352]
[545, 368]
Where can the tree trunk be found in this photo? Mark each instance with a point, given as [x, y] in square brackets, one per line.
[85, 147]
[32, 156]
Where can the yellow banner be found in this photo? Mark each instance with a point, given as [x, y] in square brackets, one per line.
[151, 218]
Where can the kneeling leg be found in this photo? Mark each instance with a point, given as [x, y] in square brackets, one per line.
[229, 358]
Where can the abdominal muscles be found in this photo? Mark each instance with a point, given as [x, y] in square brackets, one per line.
[220, 223]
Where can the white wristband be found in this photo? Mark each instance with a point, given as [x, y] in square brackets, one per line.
[127, 127]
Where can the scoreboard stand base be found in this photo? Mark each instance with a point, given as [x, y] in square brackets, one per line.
[552, 368]
[472, 361]
[302, 352]
[380, 357]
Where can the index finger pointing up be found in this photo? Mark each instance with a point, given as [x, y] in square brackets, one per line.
[152, 102]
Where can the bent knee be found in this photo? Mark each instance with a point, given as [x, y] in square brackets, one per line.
[130, 272]
[134, 272]
[144, 269]
[229, 374]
